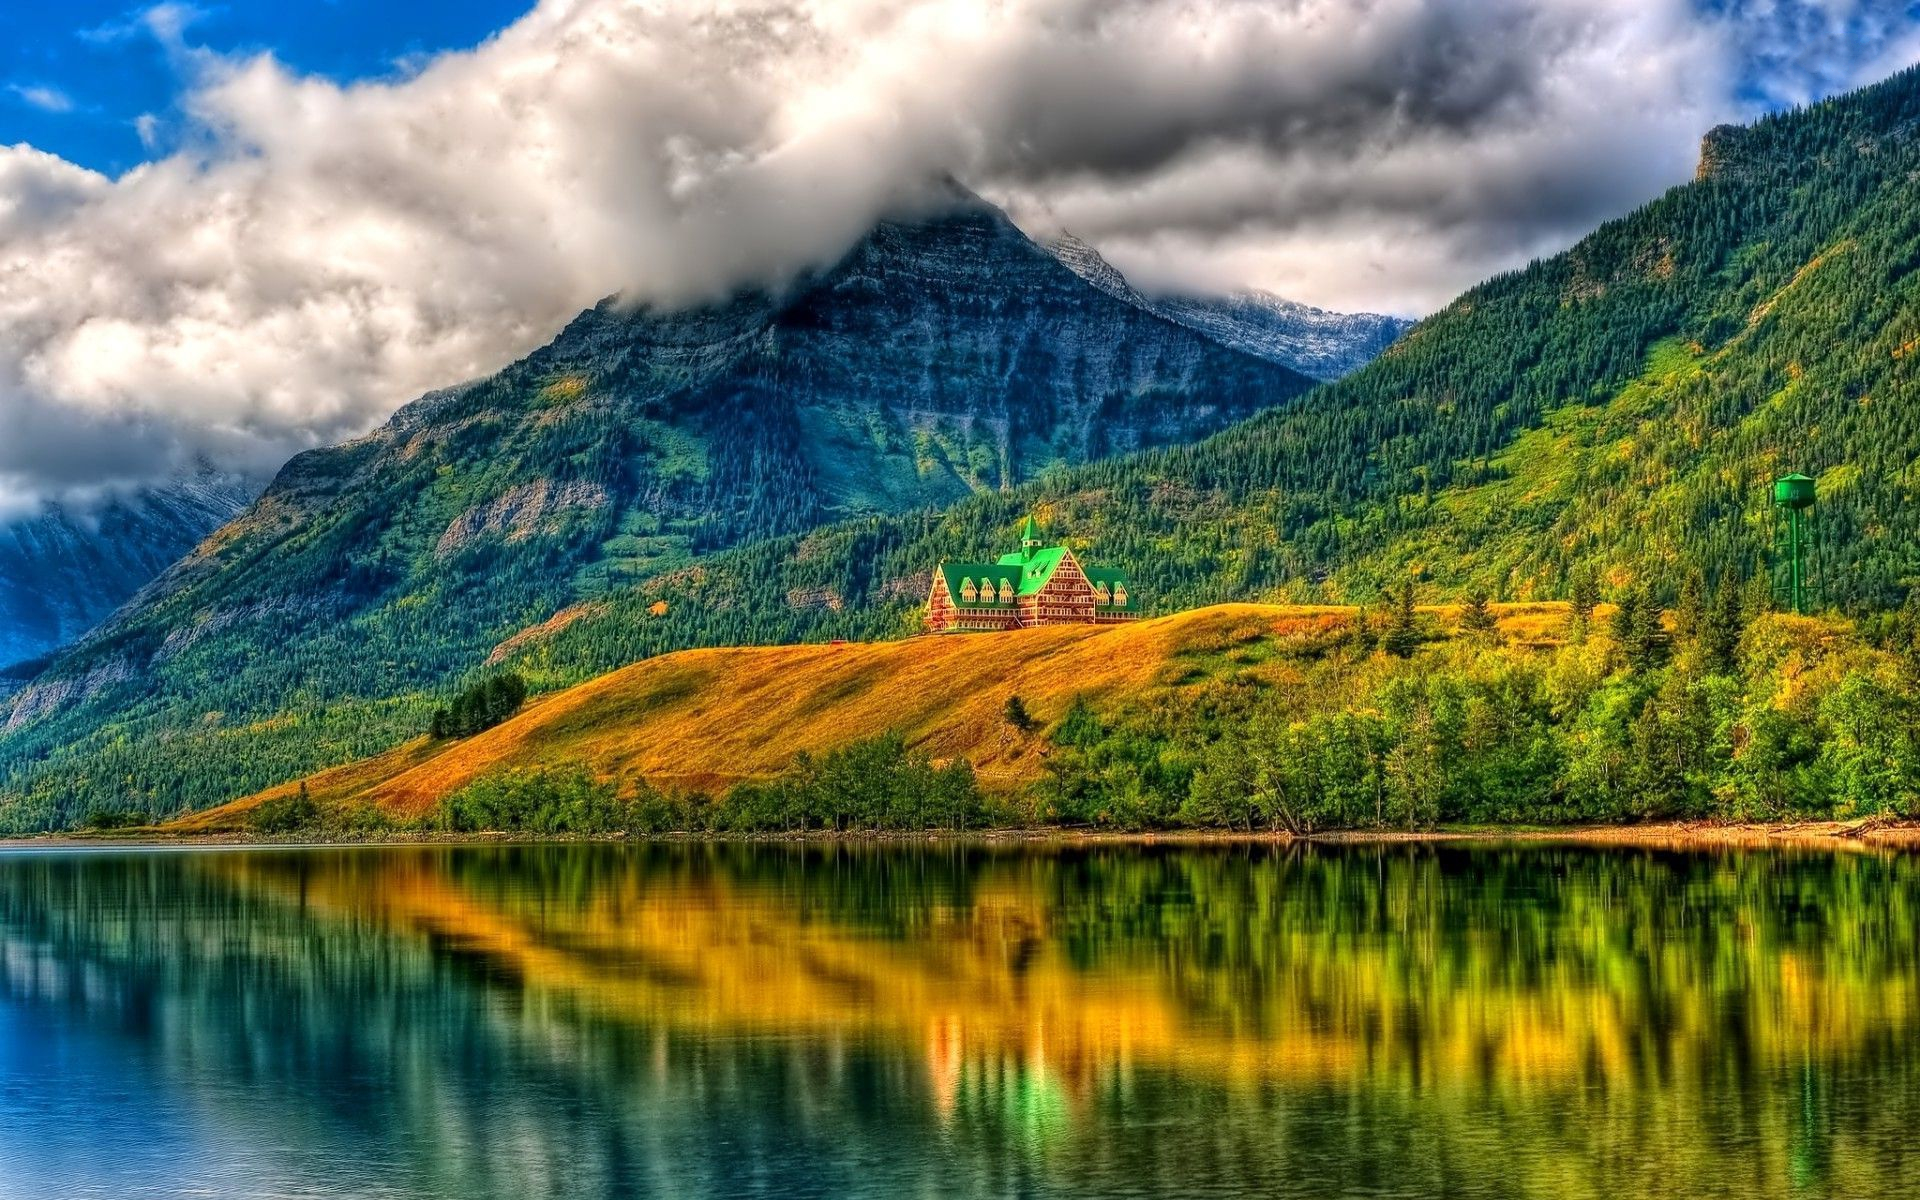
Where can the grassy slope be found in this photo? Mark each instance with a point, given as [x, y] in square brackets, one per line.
[707, 719]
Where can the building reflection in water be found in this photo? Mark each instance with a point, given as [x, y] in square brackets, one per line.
[1508, 1021]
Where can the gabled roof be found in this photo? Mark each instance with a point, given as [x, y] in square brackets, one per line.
[1114, 577]
[956, 575]
[1027, 571]
[1036, 568]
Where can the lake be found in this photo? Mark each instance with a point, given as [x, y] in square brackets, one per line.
[887, 1021]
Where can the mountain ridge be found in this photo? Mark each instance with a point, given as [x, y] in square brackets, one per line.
[1314, 341]
[944, 356]
[63, 570]
[1619, 409]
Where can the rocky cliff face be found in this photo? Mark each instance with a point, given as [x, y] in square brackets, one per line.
[1726, 152]
[1312, 341]
[62, 572]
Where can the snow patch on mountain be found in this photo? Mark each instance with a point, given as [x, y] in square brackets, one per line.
[1313, 341]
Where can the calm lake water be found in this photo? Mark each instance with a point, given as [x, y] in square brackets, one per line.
[889, 1022]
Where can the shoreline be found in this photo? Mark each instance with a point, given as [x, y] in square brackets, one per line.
[1870, 833]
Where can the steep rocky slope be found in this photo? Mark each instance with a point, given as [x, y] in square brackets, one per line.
[1313, 341]
[62, 571]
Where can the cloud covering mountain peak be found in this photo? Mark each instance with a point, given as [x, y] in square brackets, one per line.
[307, 255]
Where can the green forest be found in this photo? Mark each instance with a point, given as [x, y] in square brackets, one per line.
[1614, 413]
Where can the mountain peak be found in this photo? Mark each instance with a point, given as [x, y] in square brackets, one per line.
[1313, 341]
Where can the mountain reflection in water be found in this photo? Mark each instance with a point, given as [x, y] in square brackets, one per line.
[892, 1021]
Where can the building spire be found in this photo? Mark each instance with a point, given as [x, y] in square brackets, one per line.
[1030, 537]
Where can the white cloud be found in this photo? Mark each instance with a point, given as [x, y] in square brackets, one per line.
[313, 255]
[44, 98]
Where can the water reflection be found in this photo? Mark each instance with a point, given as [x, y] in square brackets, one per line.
[586, 1020]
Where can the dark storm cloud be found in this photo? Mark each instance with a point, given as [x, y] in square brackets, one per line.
[1112, 100]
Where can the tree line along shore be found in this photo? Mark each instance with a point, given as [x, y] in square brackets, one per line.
[1264, 720]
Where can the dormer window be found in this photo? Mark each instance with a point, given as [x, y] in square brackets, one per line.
[1101, 594]
[968, 593]
[1120, 595]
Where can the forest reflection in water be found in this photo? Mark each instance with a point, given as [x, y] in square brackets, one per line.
[1518, 1020]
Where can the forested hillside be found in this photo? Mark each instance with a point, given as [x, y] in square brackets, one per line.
[1238, 716]
[1616, 410]
[1619, 409]
[945, 355]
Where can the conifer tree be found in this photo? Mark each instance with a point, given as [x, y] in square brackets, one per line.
[1584, 598]
[1690, 610]
[1626, 618]
[1638, 628]
[1017, 714]
[1906, 632]
[1476, 616]
[1721, 629]
[1403, 634]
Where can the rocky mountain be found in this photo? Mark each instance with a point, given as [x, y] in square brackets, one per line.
[723, 478]
[1618, 411]
[63, 571]
[945, 356]
[1313, 341]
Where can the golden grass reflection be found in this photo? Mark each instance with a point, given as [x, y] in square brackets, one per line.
[1032, 981]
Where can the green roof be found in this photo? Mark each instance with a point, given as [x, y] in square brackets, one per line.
[1035, 568]
[1027, 574]
[957, 574]
[1114, 577]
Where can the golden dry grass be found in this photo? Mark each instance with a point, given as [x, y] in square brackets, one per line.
[708, 719]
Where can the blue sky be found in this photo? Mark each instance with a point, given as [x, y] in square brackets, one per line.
[78, 76]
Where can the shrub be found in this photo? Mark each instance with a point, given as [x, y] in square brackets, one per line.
[110, 818]
[290, 813]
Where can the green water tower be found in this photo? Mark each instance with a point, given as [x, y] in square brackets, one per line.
[1794, 495]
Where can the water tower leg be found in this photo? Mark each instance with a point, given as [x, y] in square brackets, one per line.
[1800, 584]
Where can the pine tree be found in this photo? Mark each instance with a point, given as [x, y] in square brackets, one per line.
[1638, 628]
[1626, 618]
[1403, 634]
[1690, 610]
[1476, 616]
[1017, 714]
[1721, 629]
[1906, 635]
[1584, 599]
